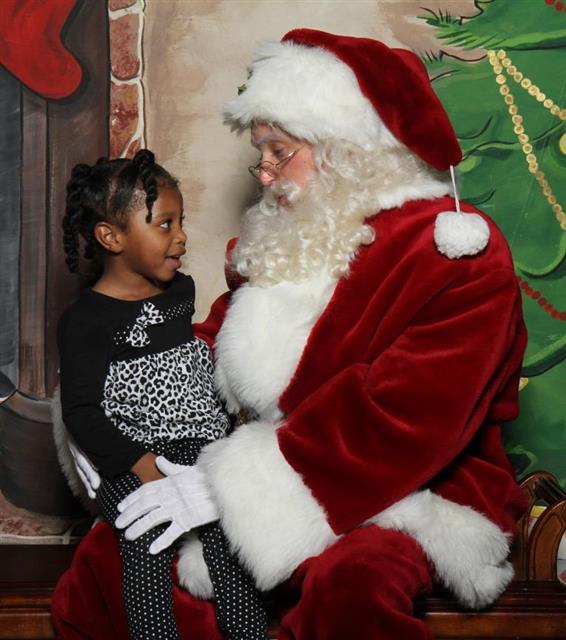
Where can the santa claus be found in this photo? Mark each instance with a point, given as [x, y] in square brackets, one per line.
[373, 340]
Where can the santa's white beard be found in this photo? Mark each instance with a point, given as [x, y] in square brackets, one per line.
[321, 226]
[294, 233]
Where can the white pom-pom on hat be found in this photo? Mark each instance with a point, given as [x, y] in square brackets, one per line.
[458, 234]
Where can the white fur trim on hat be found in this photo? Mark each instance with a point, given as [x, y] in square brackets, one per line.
[310, 94]
[458, 234]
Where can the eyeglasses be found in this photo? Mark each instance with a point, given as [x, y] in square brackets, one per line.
[272, 170]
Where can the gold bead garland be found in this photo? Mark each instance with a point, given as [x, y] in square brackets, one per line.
[501, 62]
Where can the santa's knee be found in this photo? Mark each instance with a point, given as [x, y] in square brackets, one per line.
[389, 566]
[361, 587]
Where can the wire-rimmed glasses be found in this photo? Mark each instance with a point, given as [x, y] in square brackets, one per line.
[272, 170]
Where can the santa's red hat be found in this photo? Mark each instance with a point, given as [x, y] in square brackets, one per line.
[318, 85]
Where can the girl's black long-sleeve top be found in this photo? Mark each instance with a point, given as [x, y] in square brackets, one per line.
[132, 373]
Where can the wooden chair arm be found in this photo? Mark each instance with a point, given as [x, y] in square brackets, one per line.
[535, 554]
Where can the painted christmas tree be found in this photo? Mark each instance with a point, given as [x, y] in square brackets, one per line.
[509, 111]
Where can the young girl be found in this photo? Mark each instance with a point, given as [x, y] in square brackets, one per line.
[136, 383]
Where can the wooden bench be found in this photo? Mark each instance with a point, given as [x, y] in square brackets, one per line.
[28, 574]
[532, 608]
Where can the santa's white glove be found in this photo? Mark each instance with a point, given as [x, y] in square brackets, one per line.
[182, 498]
[86, 471]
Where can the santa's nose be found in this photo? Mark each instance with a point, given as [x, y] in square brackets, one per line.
[266, 177]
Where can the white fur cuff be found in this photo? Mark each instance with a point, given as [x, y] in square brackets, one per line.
[274, 523]
[268, 514]
[468, 551]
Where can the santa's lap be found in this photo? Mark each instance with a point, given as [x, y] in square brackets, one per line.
[363, 585]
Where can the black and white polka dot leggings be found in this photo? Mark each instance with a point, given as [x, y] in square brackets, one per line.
[147, 580]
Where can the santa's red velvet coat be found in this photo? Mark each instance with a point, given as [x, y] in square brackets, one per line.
[391, 417]
[407, 377]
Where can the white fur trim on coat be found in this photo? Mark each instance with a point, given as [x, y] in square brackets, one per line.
[261, 340]
[274, 523]
[458, 234]
[309, 93]
[423, 186]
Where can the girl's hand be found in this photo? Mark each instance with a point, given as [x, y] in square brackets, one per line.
[146, 469]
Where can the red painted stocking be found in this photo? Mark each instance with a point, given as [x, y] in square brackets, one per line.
[31, 47]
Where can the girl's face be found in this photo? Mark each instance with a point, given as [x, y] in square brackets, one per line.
[154, 249]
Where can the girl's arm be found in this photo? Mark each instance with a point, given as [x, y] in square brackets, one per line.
[146, 469]
[84, 347]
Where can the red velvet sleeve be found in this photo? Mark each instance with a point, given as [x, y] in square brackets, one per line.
[208, 329]
[379, 430]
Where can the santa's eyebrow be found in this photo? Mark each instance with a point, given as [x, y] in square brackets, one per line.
[268, 137]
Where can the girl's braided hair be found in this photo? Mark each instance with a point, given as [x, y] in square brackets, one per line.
[107, 192]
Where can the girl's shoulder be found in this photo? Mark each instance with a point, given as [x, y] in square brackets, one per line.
[82, 309]
[84, 320]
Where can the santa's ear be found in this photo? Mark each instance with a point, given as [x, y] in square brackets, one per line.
[109, 236]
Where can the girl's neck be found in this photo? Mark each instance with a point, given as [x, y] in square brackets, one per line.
[133, 288]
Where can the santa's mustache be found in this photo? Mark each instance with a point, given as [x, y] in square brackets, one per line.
[280, 194]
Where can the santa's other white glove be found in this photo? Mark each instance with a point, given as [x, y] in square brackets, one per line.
[86, 471]
[182, 498]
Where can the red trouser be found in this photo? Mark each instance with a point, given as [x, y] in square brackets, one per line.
[362, 587]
